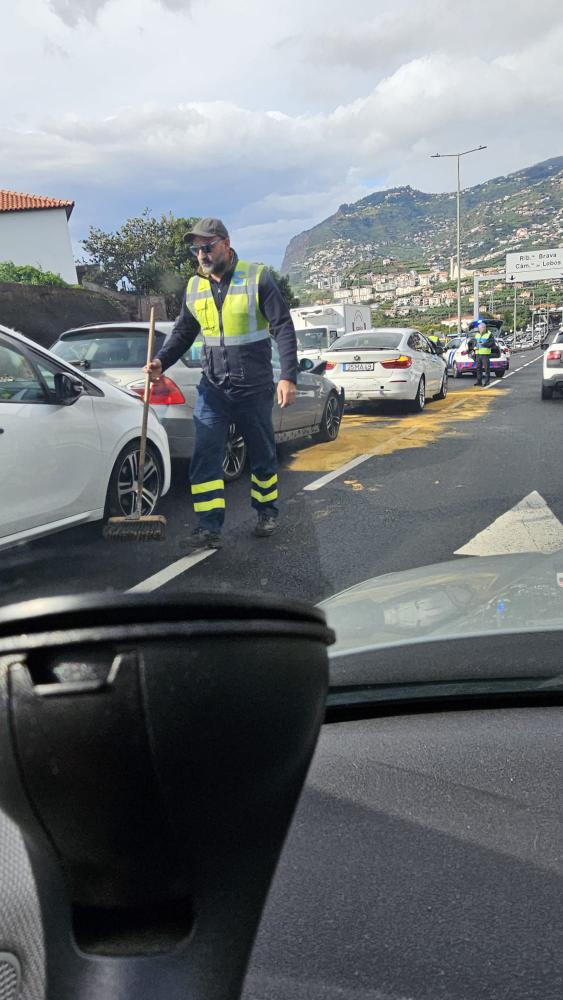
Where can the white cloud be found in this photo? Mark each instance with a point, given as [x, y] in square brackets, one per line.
[144, 112]
[72, 12]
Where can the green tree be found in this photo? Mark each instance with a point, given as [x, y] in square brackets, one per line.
[284, 285]
[150, 254]
[26, 274]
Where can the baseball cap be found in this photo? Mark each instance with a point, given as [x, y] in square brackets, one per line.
[208, 228]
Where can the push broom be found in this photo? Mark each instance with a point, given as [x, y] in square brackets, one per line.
[134, 527]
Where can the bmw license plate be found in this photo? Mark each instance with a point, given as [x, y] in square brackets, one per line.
[362, 366]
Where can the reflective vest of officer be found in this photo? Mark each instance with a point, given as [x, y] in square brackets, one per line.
[241, 321]
[480, 339]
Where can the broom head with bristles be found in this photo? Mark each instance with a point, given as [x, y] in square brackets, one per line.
[151, 528]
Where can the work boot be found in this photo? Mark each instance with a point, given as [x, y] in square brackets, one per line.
[266, 526]
[203, 538]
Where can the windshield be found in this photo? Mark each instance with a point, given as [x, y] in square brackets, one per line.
[281, 609]
[311, 339]
[399, 485]
[106, 349]
[369, 341]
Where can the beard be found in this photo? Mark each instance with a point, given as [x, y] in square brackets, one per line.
[217, 267]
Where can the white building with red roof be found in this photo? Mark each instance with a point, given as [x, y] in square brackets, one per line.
[34, 230]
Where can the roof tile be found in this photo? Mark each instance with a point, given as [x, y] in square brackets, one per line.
[16, 201]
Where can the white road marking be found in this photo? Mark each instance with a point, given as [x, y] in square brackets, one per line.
[171, 571]
[531, 526]
[317, 484]
[513, 371]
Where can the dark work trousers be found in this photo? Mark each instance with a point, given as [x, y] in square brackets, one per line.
[214, 413]
[482, 369]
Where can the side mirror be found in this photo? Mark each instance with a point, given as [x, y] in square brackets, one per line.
[67, 388]
[319, 368]
[306, 365]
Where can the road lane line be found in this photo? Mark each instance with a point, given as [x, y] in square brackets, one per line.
[513, 371]
[531, 526]
[171, 571]
[317, 484]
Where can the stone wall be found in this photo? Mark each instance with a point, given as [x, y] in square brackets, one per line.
[41, 312]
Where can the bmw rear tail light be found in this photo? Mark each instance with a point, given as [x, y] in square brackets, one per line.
[330, 365]
[554, 355]
[403, 361]
[165, 392]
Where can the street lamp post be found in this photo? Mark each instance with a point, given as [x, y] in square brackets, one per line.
[458, 155]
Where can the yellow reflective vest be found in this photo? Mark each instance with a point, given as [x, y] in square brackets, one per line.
[240, 321]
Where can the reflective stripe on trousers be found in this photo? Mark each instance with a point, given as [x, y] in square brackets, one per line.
[213, 415]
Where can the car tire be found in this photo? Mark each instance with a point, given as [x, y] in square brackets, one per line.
[456, 373]
[330, 420]
[500, 374]
[443, 388]
[121, 497]
[236, 454]
[419, 400]
[546, 392]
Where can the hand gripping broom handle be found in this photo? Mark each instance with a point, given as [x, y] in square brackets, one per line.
[146, 404]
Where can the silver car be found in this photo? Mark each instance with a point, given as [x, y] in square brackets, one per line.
[117, 352]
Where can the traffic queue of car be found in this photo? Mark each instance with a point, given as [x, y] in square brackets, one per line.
[81, 398]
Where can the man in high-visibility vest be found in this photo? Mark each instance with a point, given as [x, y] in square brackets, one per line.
[483, 343]
[438, 342]
[236, 308]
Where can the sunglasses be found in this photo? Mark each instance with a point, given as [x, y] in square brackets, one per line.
[204, 248]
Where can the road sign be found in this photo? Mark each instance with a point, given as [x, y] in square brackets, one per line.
[534, 265]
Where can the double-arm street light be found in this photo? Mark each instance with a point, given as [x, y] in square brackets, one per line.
[458, 155]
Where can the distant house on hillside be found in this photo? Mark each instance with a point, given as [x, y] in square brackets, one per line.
[34, 230]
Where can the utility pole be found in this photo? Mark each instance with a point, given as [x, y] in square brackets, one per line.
[458, 155]
[514, 329]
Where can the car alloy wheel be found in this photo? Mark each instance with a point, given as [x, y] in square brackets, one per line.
[443, 388]
[122, 490]
[235, 455]
[330, 423]
[420, 398]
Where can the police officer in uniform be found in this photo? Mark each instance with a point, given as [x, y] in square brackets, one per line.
[483, 343]
[236, 308]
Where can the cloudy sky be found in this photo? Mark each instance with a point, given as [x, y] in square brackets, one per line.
[270, 115]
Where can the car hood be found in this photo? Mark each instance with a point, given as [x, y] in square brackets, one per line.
[464, 597]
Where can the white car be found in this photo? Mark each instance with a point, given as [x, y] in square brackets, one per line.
[69, 445]
[552, 375]
[387, 363]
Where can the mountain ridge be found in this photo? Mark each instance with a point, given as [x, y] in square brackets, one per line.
[410, 225]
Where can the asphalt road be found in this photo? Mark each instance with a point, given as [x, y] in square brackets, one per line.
[431, 483]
